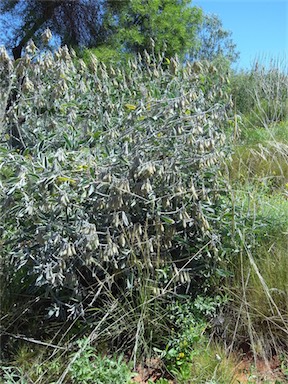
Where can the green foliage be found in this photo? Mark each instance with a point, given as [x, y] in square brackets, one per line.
[257, 281]
[188, 338]
[90, 367]
[263, 303]
[214, 41]
[129, 25]
[185, 342]
[188, 356]
[242, 84]
[160, 381]
[105, 54]
[261, 158]
[209, 364]
[261, 94]
[258, 264]
[137, 318]
[182, 347]
[213, 366]
[119, 171]
[158, 26]
[199, 311]
[115, 202]
[284, 364]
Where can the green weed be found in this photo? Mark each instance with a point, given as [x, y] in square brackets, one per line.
[92, 368]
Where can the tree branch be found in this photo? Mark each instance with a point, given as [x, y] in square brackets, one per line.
[46, 15]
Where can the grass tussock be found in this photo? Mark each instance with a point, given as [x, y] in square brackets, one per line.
[260, 305]
[262, 157]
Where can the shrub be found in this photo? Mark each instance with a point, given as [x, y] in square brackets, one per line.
[115, 182]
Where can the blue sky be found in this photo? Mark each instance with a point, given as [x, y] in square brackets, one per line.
[259, 27]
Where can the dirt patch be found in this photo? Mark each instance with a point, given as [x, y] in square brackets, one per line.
[247, 371]
[260, 371]
[152, 370]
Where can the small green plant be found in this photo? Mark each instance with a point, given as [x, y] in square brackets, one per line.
[160, 381]
[92, 368]
[284, 365]
[182, 373]
[186, 335]
[190, 319]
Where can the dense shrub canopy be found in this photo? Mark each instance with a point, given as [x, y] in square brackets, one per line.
[118, 172]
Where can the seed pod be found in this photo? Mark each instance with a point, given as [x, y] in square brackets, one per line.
[96, 241]
[179, 189]
[93, 65]
[30, 47]
[156, 291]
[200, 147]
[122, 240]
[150, 265]
[206, 144]
[107, 178]
[64, 53]
[69, 251]
[64, 200]
[115, 251]
[197, 67]
[146, 56]
[82, 65]
[4, 57]
[63, 252]
[193, 191]
[212, 69]
[5, 60]
[187, 277]
[186, 216]
[156, 73]
[46, 36]
[62, 264]
[173, 66]
[73, 249]
[206, 224]
[27, 85]
[146, 187]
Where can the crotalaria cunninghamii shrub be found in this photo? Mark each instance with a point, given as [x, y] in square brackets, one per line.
[119, 173]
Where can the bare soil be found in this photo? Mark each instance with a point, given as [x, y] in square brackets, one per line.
[247, 371]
